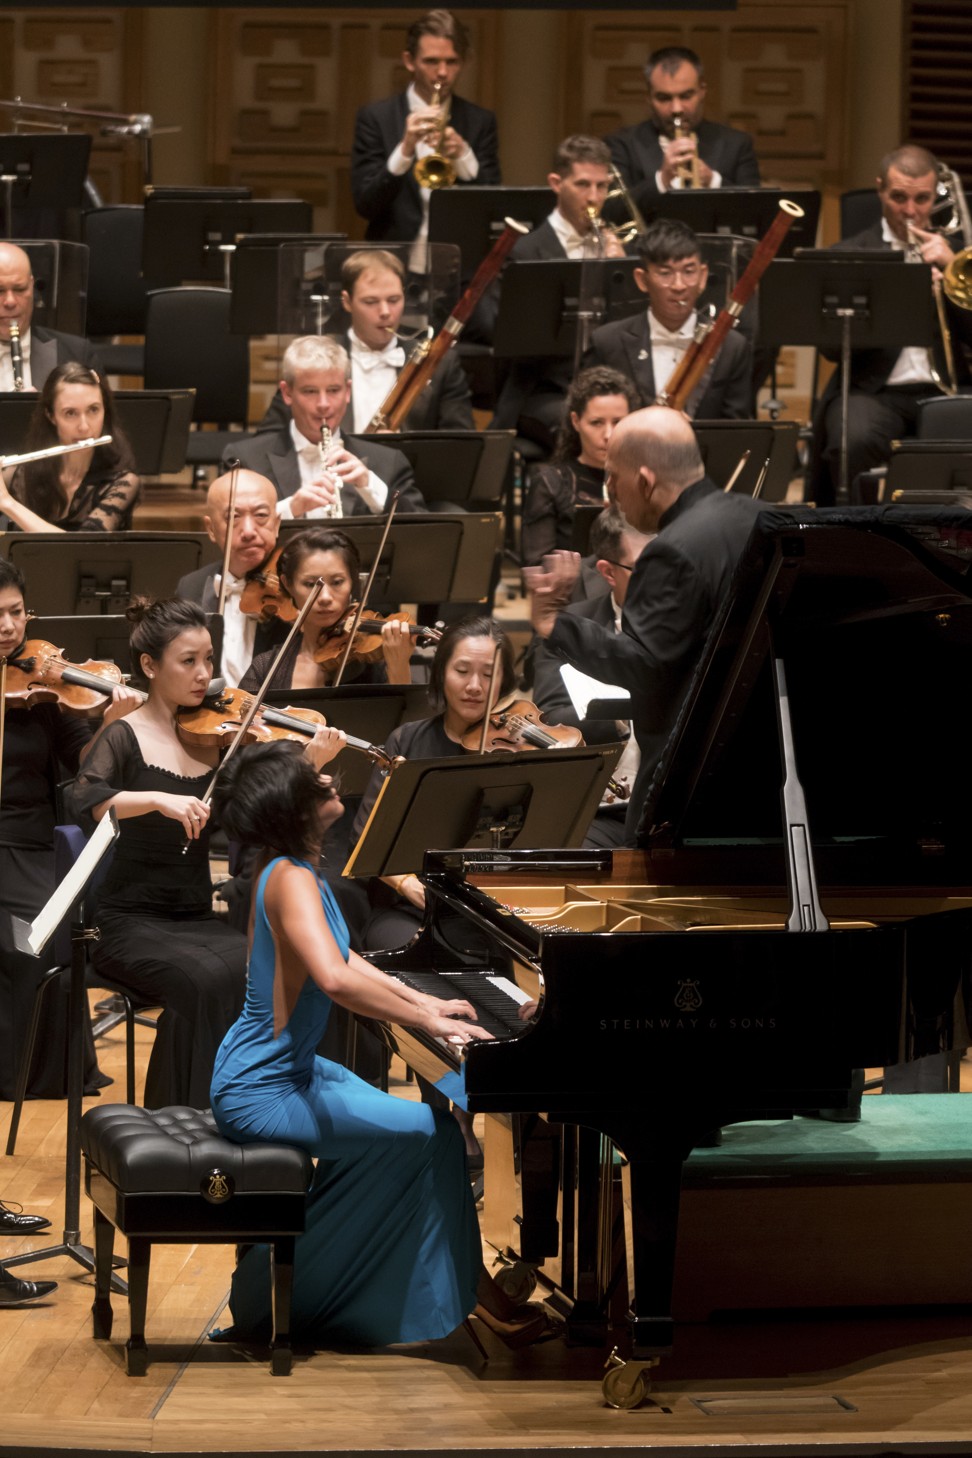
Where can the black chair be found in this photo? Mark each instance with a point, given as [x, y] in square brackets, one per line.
[860, 208]
[944, 417]
[188, 345]
[116, 290]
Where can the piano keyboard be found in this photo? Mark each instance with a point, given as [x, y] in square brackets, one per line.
[496, 999]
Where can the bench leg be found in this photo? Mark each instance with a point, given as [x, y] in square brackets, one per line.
[101, 1312]
[136, 1352]
[282, 1278]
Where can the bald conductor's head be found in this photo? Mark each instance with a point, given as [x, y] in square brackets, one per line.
[16, 289]
[254, 518]
[652, 457]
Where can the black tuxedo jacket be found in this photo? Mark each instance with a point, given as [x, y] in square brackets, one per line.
[444, 404]
[392, 206]
[50, 348]
[549, 692]
[272, 454]
[625, 345]
[200, 586]
[637, 154]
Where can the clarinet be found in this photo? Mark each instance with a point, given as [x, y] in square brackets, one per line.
[16, 357]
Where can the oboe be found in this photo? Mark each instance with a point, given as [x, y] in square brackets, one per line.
[16, 357]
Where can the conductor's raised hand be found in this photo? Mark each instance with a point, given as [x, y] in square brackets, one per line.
[549, 587]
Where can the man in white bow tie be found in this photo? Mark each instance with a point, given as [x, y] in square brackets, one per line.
[373, 295]
[647, 347]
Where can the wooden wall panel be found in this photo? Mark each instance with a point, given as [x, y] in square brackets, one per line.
[79, 58]
[290, 83]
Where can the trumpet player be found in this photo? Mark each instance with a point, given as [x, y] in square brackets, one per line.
[676, 146]
[390, 135]
[887, 384]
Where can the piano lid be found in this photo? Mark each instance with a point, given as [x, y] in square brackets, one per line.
[871, 612]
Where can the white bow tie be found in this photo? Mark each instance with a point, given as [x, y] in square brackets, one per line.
[370, 359]
[233, 588]
[678, 342]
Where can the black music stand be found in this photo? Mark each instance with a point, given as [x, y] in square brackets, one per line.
[745, 212]
[42, 171]
[189, 239]
[100, 637]
[468, 467]
[942, 467]
[473, 217]
[872, 300]
[498, 801]
[542, 301]
[255, 303]
[156, 423]
[60, 272]
[99, 572]
[312, 276]
[772, 445]
[68, 900]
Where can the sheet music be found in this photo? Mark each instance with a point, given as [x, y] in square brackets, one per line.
[582, 688]
[49, 918]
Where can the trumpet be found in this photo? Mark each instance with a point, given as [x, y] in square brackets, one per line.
[688, 172]
[335, 509]
[16, 357]
[436, 169]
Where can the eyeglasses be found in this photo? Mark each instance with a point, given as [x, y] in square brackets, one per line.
[623, 565]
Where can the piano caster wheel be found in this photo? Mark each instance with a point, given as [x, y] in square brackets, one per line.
[626, 1384]
[518, 1281]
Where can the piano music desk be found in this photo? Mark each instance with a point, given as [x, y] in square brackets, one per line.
[803, 1213]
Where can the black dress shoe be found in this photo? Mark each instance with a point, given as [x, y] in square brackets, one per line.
[18, 1293]
[14, 1223]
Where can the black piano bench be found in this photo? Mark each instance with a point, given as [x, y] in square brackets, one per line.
[166, 1175]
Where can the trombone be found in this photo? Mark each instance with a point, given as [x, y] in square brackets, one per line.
[625, 232]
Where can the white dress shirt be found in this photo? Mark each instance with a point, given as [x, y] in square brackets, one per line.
[667, 347]
[374, 494]
[239, 631]
[6, 364]
[373, 375]
[574, 244]
[467, 170]
[913, 365]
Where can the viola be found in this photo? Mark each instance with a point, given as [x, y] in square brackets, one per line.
[520, 725]
[217, 722]
[366, 647]
[264, 596]
[40, 674]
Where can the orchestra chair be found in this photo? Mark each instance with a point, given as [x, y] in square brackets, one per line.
[944, 417]
[116, 290]
[189, 345]
[167, 1175]
[69, 842]
[860, 207]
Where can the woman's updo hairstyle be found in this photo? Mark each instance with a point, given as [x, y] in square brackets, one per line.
[318, 539]
[267, 796]
[155, 624]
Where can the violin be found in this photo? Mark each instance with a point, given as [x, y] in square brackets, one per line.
[520, 725]
[366, 645]
[217, 722]
[264, 597]
[40, 674]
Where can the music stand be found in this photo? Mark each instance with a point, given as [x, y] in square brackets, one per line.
[156, 423]
[99, 572]
[499, 801]
[101, 637]
[919, 466]
[60, 272]
[42, 171]
[771, 444]
[872, 300]
[68, 900]
[541, 301]
[473, 217]
[256, 287]
[365, 711]
[468, 467]
[746, 212]
[192, 239]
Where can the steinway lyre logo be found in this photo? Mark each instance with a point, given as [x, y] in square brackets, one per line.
[217, 1186]
[688, 998]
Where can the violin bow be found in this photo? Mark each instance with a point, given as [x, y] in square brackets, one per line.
[367, 591]
[491, 697]
[228, 544]
[258, 697]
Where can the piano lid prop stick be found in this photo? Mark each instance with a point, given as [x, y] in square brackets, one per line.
[740, 467]
[491, 697]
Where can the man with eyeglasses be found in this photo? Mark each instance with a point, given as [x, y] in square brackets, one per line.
[653, 155]
[647, 347]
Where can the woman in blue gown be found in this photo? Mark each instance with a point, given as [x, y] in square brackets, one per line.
[391, 1251]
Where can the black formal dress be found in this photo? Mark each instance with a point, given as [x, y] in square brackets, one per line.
[272, 454]
[554, 489]
[392, 206]
[726, 390]
[676, 589]
[159, 936]
[40, 748]
[637, 154]
[104, 502]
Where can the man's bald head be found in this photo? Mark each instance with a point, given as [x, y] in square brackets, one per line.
[16, 289]
[652, 456]
[254, 518]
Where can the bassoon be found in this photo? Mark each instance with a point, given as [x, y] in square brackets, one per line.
[709, 336]
[421, 364]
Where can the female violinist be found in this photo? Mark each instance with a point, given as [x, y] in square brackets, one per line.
[159, 935]
[40, 746]
[313, 658]
[89, 490]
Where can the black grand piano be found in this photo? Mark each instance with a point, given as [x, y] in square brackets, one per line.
[799, 907]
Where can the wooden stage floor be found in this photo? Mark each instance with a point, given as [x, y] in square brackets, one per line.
[881, 1383]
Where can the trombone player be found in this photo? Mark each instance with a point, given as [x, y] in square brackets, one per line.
[390, 136]
[886, 385]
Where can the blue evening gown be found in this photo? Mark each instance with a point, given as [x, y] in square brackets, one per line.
[391, 1251]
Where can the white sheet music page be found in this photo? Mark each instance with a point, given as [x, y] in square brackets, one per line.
[47, 921]
[582, 688]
